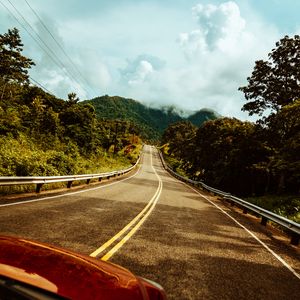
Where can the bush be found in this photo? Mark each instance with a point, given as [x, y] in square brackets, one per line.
[26, 157]
[284, 205]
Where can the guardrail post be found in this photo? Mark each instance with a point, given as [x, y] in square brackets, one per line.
[88, 181]
[295, 239]
[258, 211]
[264, 221]
[38, 187]
[69, 185]
[100, 179]
[232, 203]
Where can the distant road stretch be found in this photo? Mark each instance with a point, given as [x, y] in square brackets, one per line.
[159, 228]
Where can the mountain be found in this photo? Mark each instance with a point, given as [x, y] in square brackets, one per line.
[151, 121]
[203, 115]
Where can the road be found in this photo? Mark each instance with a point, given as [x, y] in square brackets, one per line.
[195, 246]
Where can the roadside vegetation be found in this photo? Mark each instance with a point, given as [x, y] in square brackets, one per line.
[41, 135]
[258, 161]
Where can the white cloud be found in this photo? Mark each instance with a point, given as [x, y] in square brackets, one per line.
[197, 55]
[142, 72]
[219, 27]
[59, 83]
[220, 55]
[193, 43]
[81, 70]
[140, 69]
[203, 69]
[219, 22]
[93, 69]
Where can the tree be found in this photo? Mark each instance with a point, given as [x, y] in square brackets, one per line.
[79, 125]
[72, 99]
[284, 136]
[276, 82]
[228, 154]
[13, 65]
[42, 120]
[178, 134]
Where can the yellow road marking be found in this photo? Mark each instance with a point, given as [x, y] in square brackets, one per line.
[120, 233]
[111, 252]
[150, 206]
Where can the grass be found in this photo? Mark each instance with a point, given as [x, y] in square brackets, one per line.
[103, 165]
[172, 161]
[20, 157]
[284, 205]
[175, 164]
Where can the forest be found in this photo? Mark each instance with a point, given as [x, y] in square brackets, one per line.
[259, 161]
[151, 122]
[43, 135]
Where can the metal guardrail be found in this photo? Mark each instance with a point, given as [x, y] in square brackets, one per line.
[41, 180]
[291, 226]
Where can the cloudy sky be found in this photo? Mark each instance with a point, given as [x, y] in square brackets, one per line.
[192, 54]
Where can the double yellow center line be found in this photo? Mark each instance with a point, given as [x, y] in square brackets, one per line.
[129, 230]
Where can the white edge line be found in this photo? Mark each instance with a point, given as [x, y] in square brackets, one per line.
[278, 257]
[71, 193]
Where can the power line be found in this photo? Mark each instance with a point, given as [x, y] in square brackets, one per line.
[51, 51]
[59, 45]
[22, 25]
[40, 85]
[32, 36]
[55, 59]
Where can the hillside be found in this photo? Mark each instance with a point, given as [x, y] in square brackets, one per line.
[203, 115]
[151, 121]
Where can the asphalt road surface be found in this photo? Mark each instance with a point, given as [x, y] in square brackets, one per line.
[191, 243]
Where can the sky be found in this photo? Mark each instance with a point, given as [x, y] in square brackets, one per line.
[191, 54]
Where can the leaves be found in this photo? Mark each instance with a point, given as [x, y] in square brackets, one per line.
[276, 82]
[43, 135]
[13, 65]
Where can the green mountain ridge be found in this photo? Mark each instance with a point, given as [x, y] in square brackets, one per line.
[203, 115]
[150, 121]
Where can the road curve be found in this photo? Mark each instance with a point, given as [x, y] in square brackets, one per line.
[162, 229]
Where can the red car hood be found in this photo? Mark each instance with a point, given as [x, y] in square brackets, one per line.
[69, 274]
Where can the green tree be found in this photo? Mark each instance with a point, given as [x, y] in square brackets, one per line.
[43, 135]
[13, 65]
[228, 155]
[177, 135]
[284, 136]
[276, 82]
[79, 123]
[72, 99]
[10, 121]
[275, 85]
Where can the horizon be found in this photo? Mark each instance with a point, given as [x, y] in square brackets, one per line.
[194, 55]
